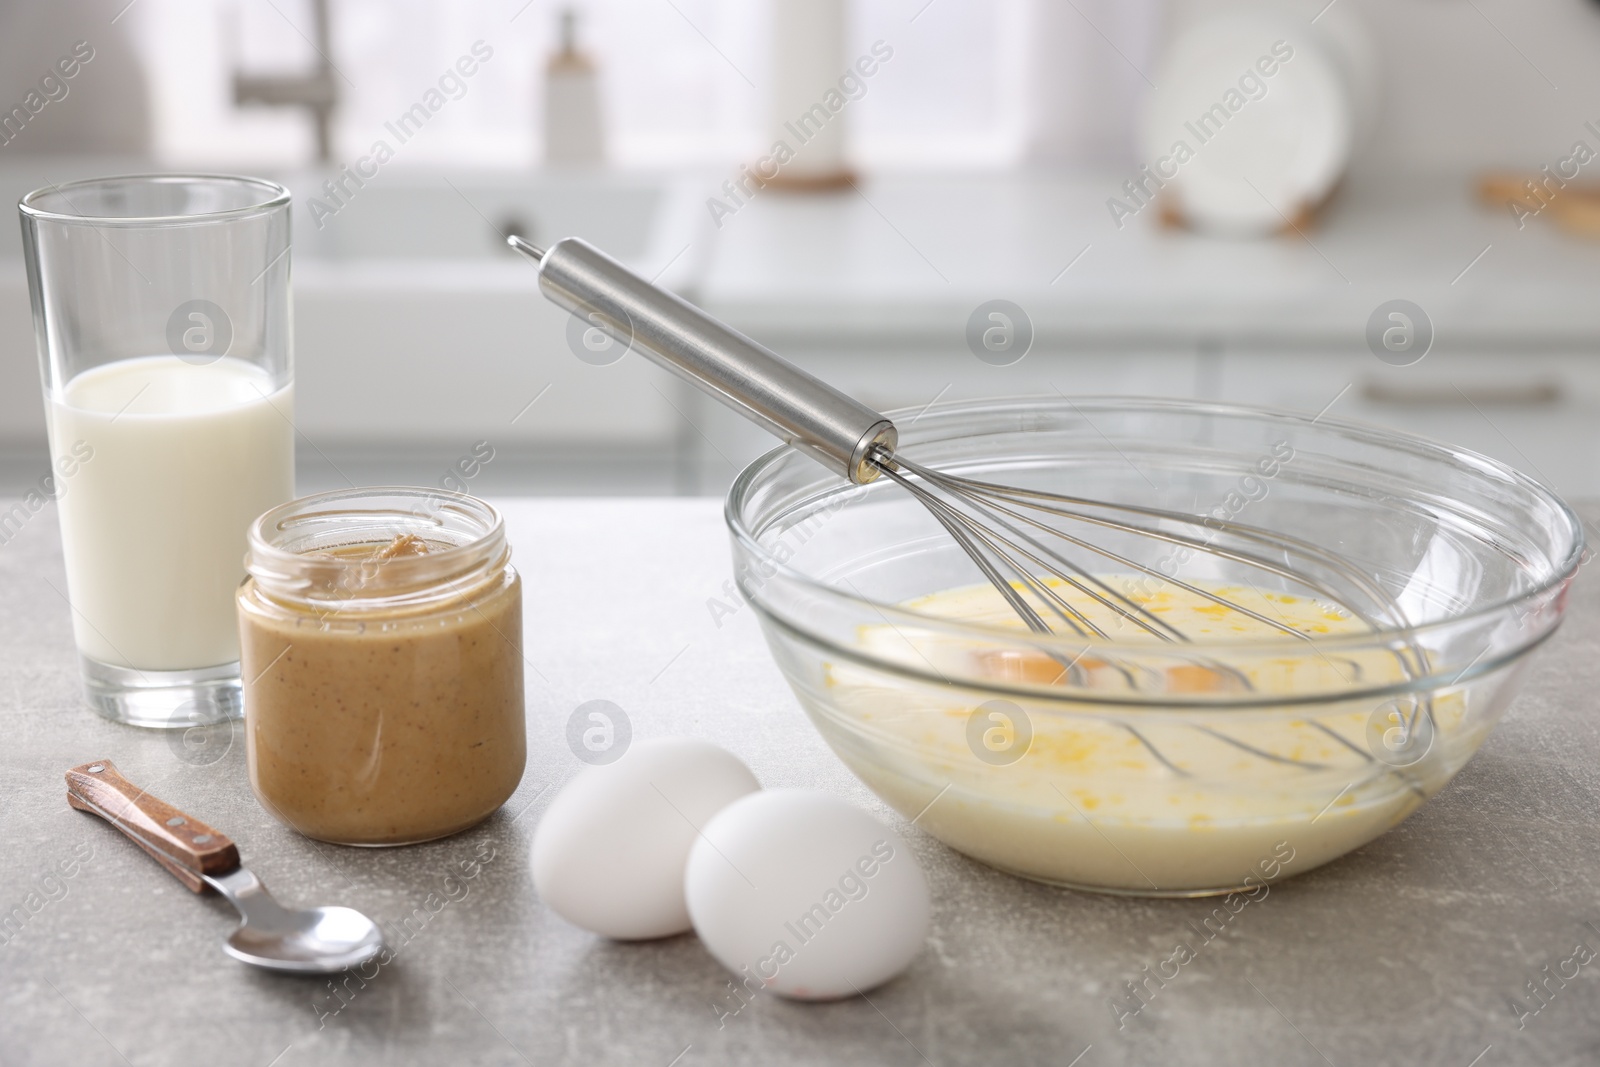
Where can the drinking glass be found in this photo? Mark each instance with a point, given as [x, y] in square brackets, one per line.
[161, 310]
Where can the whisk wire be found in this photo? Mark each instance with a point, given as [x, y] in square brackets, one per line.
[970, 533]
[982, 494]
[999, 511]
[948, 516]
[1278, 541]
[954, 524]
[986, 494]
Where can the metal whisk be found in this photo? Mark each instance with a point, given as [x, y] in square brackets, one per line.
[1016, 536]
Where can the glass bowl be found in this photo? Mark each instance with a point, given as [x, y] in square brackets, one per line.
[1156, 768]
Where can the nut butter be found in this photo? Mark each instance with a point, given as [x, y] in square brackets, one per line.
[381, 651]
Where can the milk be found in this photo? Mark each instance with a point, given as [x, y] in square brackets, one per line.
[185, 457]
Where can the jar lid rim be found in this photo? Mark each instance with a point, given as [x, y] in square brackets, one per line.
[269, 560]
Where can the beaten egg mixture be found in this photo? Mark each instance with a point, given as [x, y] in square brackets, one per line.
[1142, 797]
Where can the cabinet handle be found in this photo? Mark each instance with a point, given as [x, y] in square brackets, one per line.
[1522, 394]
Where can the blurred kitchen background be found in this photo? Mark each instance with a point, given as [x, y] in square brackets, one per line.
[978, 154]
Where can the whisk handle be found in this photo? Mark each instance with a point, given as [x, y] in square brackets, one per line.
[759, 384]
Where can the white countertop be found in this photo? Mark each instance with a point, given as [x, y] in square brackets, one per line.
[914, 255]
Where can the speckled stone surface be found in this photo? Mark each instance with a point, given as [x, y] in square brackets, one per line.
[1408, 951]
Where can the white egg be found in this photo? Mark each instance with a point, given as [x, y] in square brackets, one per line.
[806, 895]
[610, 852]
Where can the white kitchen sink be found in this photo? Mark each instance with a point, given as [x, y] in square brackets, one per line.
[447, 217]
[417, 329]
[414, 322]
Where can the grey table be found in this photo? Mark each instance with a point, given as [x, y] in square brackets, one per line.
[1409, 951]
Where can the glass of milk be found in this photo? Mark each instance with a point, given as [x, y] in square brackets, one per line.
[162, 313]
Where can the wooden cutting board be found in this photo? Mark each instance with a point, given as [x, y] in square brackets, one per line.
[1574, 207]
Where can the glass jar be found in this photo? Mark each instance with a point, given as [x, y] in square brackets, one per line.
[381, 638]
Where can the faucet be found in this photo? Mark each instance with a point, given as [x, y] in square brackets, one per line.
[317, 91]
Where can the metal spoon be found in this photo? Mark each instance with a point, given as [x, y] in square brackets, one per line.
[310, 941]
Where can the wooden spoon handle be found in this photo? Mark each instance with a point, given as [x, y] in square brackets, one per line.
[183, 845]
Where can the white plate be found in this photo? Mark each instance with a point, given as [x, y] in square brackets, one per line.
[1272, 146]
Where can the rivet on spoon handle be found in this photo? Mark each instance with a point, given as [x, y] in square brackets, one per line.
[181, 843]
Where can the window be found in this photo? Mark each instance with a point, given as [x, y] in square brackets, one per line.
[684, 81]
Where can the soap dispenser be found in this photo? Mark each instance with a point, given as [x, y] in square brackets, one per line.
[573, 131]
